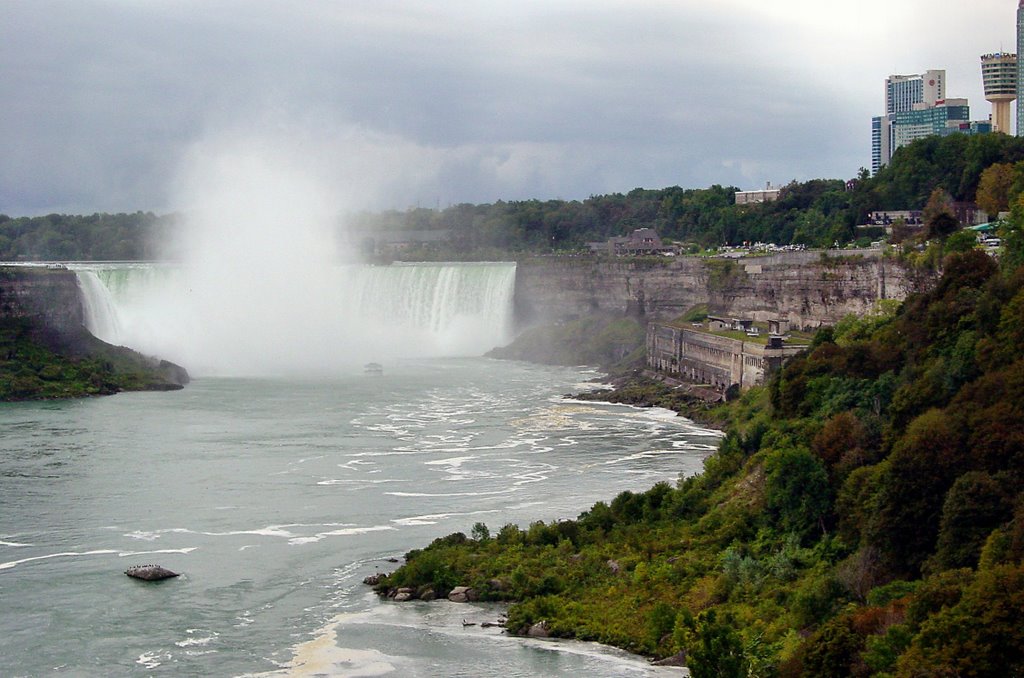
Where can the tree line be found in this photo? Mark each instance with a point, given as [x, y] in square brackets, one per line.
[95, 237]
[818, 212]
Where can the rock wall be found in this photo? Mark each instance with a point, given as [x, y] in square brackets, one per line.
[700, 357]
[810, 288]
[46, 295]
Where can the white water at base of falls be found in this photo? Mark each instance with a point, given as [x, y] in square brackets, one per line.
[329, 322]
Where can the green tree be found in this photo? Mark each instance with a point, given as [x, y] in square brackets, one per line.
[975, 506]
[833, 650]
[797, 490]
[979, 635]
[961, 241]
[922, 467]
[717, 651]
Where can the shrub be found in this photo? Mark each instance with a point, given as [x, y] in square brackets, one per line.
[797, 490]
[975, 506]
[716, 650]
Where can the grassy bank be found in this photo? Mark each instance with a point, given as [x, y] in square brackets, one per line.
[36, 363]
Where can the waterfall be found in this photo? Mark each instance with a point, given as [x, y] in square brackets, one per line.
[468, 307]
[268, 324]
[98, 307]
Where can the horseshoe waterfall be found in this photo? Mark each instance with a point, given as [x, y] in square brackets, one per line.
[328, 322]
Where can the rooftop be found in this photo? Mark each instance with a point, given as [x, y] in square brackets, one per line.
[792, 337]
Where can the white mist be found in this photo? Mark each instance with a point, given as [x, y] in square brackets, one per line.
[259, 291]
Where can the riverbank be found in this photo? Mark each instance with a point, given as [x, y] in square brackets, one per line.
[576, 579]
[862, 509]
[643, 388]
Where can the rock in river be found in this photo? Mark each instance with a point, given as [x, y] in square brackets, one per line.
[150, 572]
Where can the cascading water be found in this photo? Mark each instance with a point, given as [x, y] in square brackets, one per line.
[101, 316]
[353, 315]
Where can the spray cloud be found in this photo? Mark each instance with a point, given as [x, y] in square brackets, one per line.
[260, 291]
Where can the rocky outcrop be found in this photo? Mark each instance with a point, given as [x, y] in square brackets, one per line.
[539, 630]
[810, 288]
[150, 572]
[44, 295]
[463, 594]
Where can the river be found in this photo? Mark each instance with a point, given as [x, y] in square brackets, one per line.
[275, 497]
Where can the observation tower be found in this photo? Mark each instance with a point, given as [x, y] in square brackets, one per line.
[999, 76]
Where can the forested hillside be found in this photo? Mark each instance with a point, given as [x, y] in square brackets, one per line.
[818, 212]
[863, 516]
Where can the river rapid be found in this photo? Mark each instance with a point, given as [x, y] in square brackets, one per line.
[275, 497]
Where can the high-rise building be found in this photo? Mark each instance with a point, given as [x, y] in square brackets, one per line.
[999, 76]
[1020, 68]
[902, 94]
[879, 141]
[924, 120]
[903, 91]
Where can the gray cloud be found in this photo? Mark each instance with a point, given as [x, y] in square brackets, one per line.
[413, 102]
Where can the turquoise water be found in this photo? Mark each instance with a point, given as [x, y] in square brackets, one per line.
[275, 498]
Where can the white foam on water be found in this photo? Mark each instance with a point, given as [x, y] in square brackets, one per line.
[322, 656]
[64, 554]
[184, 551]
[534, 473]
[362, 481]
[269, 531]
[434, 518]
[97, 552]
[195, 639]
[451, 494]
[151, 660]
[690, 446]
[648, 454]
[453, 462]
[345, 532]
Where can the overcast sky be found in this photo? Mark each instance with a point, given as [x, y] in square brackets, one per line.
[105, 104]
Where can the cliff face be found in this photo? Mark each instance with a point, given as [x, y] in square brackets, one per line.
[46, 296]
[46, 352]
[806, 287]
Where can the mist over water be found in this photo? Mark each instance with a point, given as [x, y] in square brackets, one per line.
[260, 290]
[376, 313]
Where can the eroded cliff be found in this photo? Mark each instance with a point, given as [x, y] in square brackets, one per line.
[810, 288]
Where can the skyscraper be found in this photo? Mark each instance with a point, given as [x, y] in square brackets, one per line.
[1020, 68]
[879, 142]
[903, 93]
